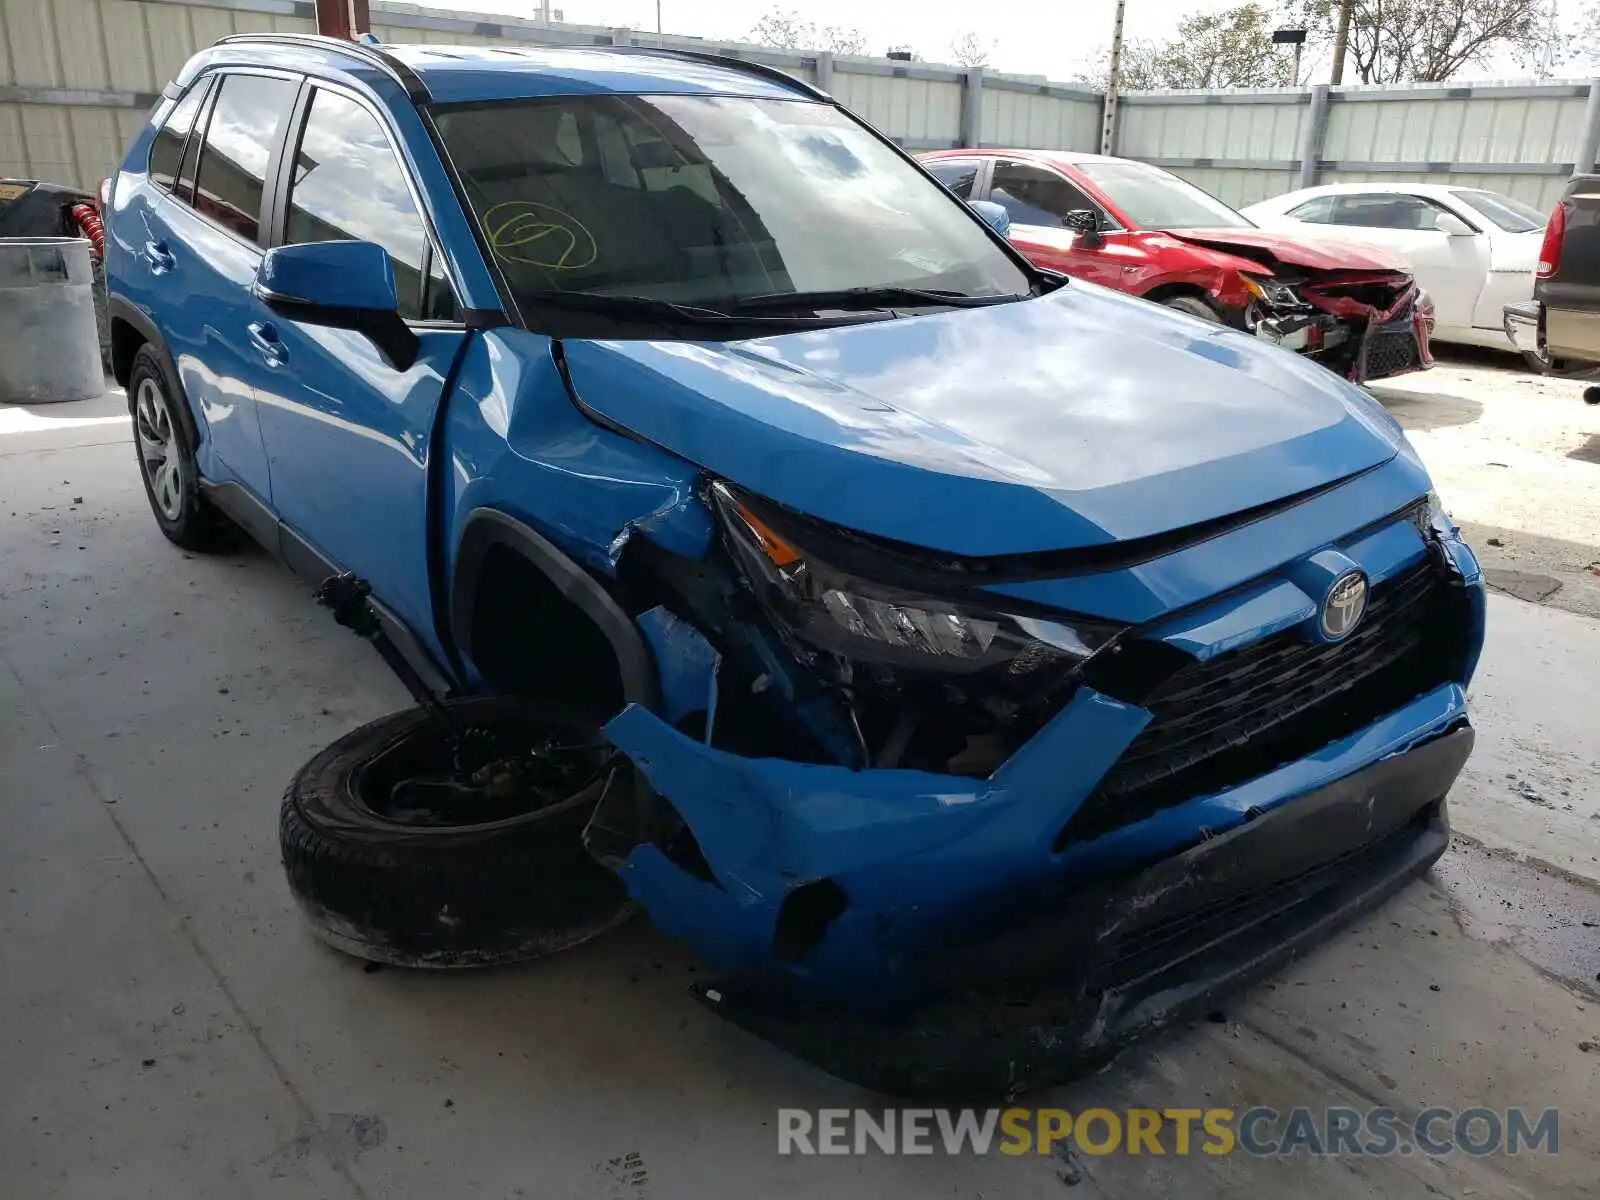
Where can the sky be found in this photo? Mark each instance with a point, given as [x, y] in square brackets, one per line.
[1029, 37]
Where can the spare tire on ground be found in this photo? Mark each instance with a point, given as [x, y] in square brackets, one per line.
[393, 860]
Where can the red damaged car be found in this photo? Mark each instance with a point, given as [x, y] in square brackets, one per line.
[1139, 229]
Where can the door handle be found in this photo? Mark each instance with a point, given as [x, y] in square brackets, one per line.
[265, 339]
[159, 257]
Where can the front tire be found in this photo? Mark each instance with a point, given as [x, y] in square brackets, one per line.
[164, 443]
[1195, 307]
[378, 884]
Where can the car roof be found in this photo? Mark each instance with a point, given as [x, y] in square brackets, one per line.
[466, 74]
[1066, 158]
[1396, 187]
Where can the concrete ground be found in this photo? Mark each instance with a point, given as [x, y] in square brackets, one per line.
[168, 1027]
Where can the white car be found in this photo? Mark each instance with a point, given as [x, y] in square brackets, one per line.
[1472, 251]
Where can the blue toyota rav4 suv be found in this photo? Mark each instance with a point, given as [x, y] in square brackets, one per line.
[976, 636]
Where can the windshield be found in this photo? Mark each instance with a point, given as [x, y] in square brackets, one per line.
[708, 201]
[1155, 199]
[1513, 216]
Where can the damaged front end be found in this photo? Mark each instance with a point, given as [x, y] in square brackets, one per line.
[1364, 325]
[941, 839]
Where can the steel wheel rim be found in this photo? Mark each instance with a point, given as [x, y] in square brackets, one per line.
[159, 455]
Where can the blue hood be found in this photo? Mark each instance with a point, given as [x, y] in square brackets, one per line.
[1077, 419]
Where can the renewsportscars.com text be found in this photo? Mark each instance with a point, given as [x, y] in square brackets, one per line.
[1261, 1132]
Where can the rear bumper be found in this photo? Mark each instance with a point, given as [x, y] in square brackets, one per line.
[1055, 994]
[1522, 321]
[1525, 325]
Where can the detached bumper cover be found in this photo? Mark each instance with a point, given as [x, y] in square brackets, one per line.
[1056, 995]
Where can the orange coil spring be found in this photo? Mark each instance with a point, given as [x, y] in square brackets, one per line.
[89, 221]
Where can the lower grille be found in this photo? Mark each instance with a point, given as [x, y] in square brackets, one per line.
[1392, 353]
[1219, 723]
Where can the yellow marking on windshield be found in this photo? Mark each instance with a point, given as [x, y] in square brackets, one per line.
[539, 235]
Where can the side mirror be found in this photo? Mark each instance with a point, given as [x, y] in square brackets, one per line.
[1453, 225]
[342, 285]
[1085, 222]
[994, 215]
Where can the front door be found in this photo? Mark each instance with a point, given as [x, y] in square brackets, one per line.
[1039, 200]
[347, 435]
[1450, 268]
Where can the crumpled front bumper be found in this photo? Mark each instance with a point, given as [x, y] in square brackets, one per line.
[1057, 993]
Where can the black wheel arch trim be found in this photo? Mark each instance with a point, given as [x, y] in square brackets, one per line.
[120, 308]
[487, 528]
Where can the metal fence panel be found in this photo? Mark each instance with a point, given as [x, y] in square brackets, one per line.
[1476, 128]
[1036, 120]
[919, 113]
[1249, 127]
[1239, 187]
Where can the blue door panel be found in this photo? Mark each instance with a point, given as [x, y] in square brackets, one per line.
[347, 438]
[203, 312]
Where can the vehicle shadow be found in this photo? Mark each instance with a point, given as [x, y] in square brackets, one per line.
[1426, 410]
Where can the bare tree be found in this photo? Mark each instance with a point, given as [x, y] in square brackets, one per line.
[970, 50]
[841, 39]
[787, 29]
[1392, 41]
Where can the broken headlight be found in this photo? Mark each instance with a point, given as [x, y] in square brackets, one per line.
[837, 612]
[1271, 293]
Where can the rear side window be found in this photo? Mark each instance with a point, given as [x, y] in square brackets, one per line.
[166, 150]
[957, 174]
[349, 185]
[243, 129]
[1387, 210]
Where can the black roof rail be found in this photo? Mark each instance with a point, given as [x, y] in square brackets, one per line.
[374, 55]
[749, 67]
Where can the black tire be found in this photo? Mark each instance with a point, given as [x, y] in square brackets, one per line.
[444, 897]
[161, 415]
[1195, 307]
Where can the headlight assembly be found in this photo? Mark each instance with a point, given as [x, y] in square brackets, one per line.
[1271, 293]
[834, 611]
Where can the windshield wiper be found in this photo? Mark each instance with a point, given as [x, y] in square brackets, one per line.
[866, 297]
[670, 310]
[641, 306]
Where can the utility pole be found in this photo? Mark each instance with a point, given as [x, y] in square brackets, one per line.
[658, 18]
[1108, 127]
[1341, 41]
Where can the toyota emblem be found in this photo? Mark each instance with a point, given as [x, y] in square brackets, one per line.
[1344, 605]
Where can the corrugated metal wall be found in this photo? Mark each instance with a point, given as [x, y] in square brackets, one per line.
[1038, 116]
[77, 77]
[1515, 138]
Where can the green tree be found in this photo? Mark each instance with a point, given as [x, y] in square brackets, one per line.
[1230, 48]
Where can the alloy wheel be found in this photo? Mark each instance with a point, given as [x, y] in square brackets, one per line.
[159, 452]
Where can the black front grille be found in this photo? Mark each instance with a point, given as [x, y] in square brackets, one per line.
[1392, 353]
[1221, 722]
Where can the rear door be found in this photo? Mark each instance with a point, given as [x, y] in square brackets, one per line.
[202, 244]
[347, 435]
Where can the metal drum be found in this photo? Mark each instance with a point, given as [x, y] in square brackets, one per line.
[49, 343]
